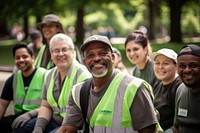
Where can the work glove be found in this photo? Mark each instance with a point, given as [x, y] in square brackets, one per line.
[40, 125]
[22, 119]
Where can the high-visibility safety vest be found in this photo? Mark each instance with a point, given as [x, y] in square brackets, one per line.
[28, 98]
[38, 59]
[76, 75]
[112, 114]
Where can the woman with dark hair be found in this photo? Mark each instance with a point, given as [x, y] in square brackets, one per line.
[137, 51]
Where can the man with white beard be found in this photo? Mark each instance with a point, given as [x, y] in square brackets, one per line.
[115, 102]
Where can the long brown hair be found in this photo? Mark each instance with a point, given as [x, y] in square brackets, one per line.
[139, 38]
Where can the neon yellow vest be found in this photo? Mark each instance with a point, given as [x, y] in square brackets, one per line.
[30, 99]
[38, 59]
[106, 113]
[60, 107]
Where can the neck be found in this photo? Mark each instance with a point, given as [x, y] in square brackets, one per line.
[29, 72]
[170, 80]
[143, 63]
[63, 73]
[99, 83]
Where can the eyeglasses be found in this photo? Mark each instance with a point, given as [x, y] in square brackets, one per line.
[63, 50]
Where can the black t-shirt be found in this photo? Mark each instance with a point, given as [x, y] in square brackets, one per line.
[164, 102]
[7, 93]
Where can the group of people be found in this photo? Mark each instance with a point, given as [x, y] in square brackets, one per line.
[56, 93]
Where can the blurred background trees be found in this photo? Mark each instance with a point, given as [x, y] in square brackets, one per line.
[171, 20]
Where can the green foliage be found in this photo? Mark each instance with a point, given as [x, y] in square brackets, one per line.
[190, 24]
[123, 16]
[111, 15]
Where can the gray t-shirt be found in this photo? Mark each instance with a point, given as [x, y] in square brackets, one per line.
[142, 109]
[147, 73]
[56, 92]
[187, 113]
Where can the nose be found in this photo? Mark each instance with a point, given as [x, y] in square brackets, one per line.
[97, 57]
[132, 52]
[187, 68]
[60, 52]
[161, 65]
[21, 59]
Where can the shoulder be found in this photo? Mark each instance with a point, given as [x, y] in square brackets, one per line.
[138, 83]
[41, 69]
[10, 79]
[82, 85]
[181, 90]
[150, 61]
[49, 73]
[176, 83]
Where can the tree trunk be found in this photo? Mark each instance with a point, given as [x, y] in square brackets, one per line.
[4, 33]
[80, 26]
[26, 27]
[152, 12]
[175, 17]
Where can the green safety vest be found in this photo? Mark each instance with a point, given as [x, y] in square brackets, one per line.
[38, 59]
[29, 99]
[112, 113]
[77, 75]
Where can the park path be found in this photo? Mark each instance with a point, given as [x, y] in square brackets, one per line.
[3, 77]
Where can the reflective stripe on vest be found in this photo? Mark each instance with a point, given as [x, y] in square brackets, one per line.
[77, 75]
[29, 99]
[38, 59]
[112, 114]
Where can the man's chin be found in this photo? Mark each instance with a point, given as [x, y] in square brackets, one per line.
[99, 75]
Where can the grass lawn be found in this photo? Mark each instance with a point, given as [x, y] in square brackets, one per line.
[6, 58]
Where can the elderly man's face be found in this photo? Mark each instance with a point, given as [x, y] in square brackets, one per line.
[62, 54]
[189, 70]
[98, 59]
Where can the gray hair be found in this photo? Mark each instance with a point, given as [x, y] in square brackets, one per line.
[62, 37]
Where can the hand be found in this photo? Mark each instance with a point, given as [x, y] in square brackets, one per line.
[22, 119]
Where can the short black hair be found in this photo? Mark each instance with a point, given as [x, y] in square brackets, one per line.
[21, 45]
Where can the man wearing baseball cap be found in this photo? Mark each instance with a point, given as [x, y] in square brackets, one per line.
[187, 116]
[165, 69]
[116, 102]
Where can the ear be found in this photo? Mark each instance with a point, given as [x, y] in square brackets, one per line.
[33, 58]
[146, 50]
[176, 67]
[113, 58]
[84, 61]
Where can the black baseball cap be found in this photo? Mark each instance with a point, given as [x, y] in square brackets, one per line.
[191, 49]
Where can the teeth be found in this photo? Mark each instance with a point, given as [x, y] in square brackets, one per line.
[97, 65]
[22, 65]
